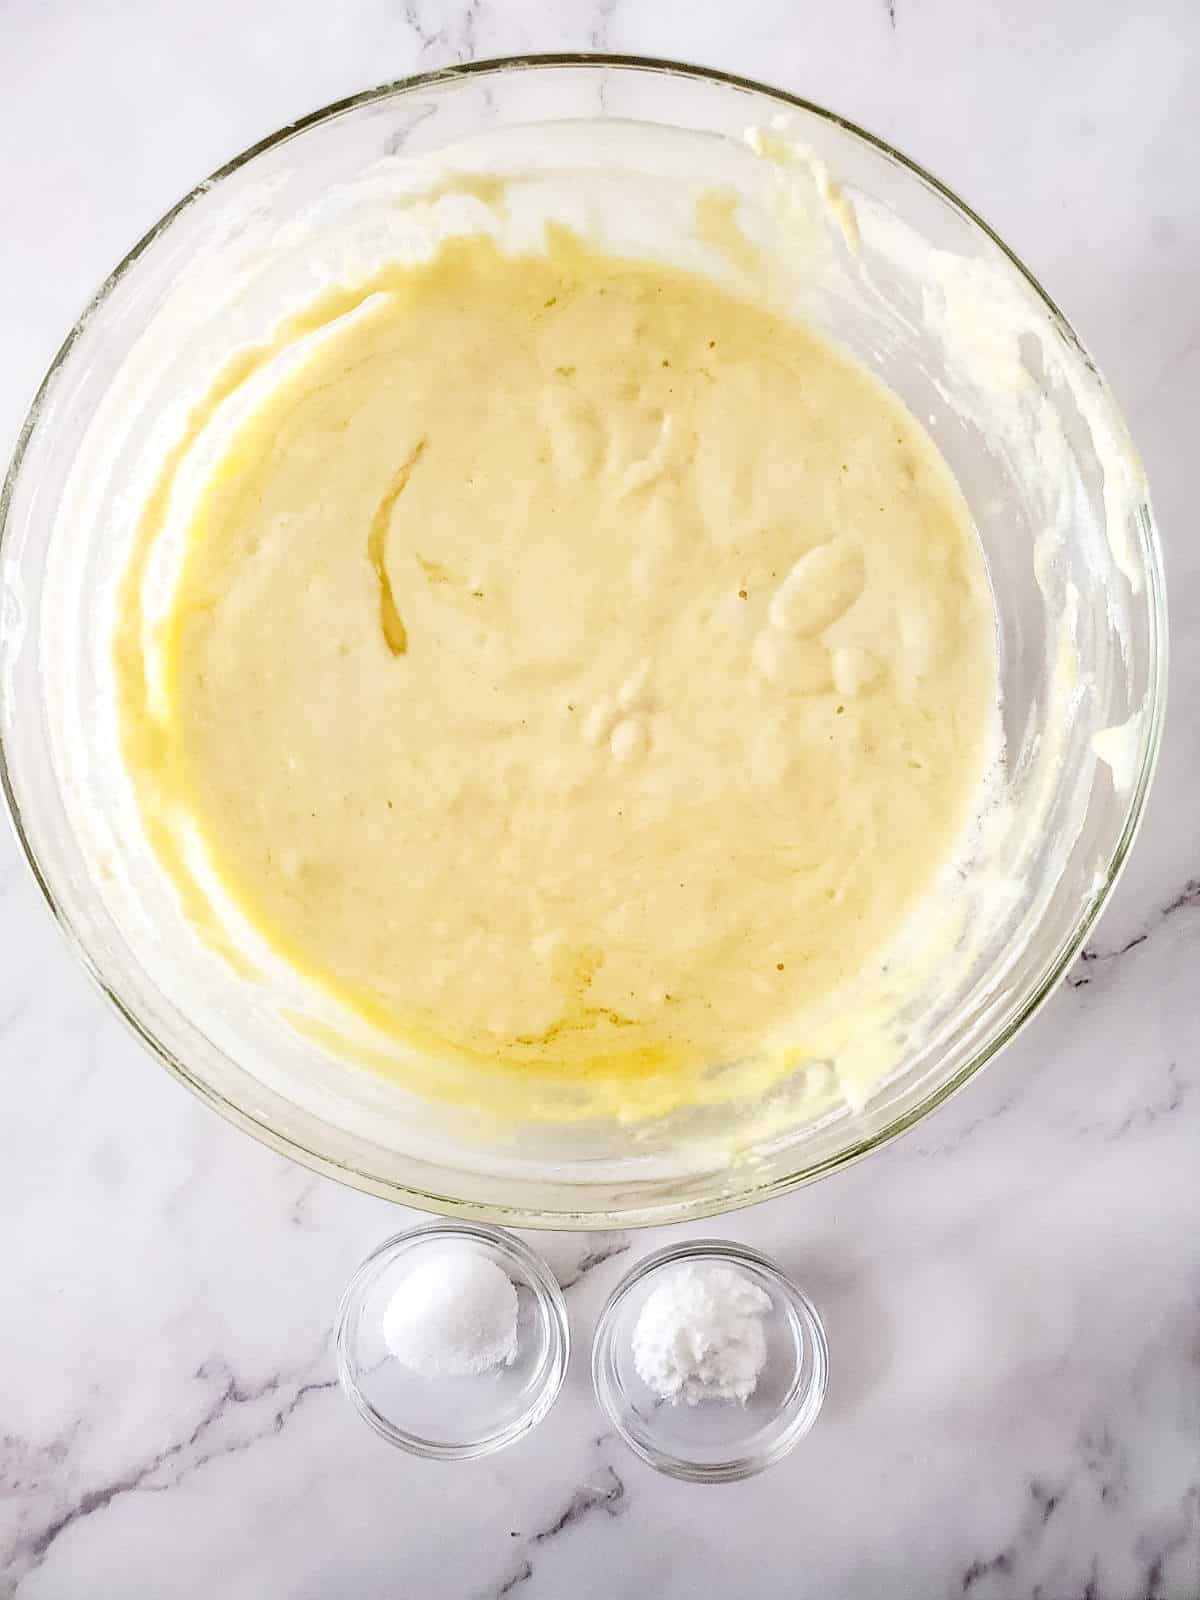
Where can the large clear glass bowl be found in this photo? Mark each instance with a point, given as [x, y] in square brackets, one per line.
[1069, 539]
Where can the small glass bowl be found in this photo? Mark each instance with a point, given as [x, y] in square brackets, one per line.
[715, 1441]
[454, 1418]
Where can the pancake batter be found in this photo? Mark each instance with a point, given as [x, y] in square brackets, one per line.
[573, 667]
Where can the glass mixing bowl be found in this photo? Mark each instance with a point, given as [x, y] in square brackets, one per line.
[863, 243]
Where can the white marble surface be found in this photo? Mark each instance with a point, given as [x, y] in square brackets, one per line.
[1012, 1292]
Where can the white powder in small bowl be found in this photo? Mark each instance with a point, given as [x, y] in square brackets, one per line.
[454, 1315]
[700, 1334]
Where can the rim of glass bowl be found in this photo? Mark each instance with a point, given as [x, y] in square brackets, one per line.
[653, 1212]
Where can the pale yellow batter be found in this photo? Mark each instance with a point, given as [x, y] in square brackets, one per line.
[573, 666]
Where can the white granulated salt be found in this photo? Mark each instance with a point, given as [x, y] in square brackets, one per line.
[700, 1334]
[454, 1315]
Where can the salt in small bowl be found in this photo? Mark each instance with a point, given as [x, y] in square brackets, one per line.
[452, 1418]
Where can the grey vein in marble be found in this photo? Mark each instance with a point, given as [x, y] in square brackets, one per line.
[1187, 899]
[168, 1467]
[452, 38]
[604, 1492]
[607, 1247]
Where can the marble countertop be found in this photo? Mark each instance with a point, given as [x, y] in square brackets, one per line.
[1012, 1292]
